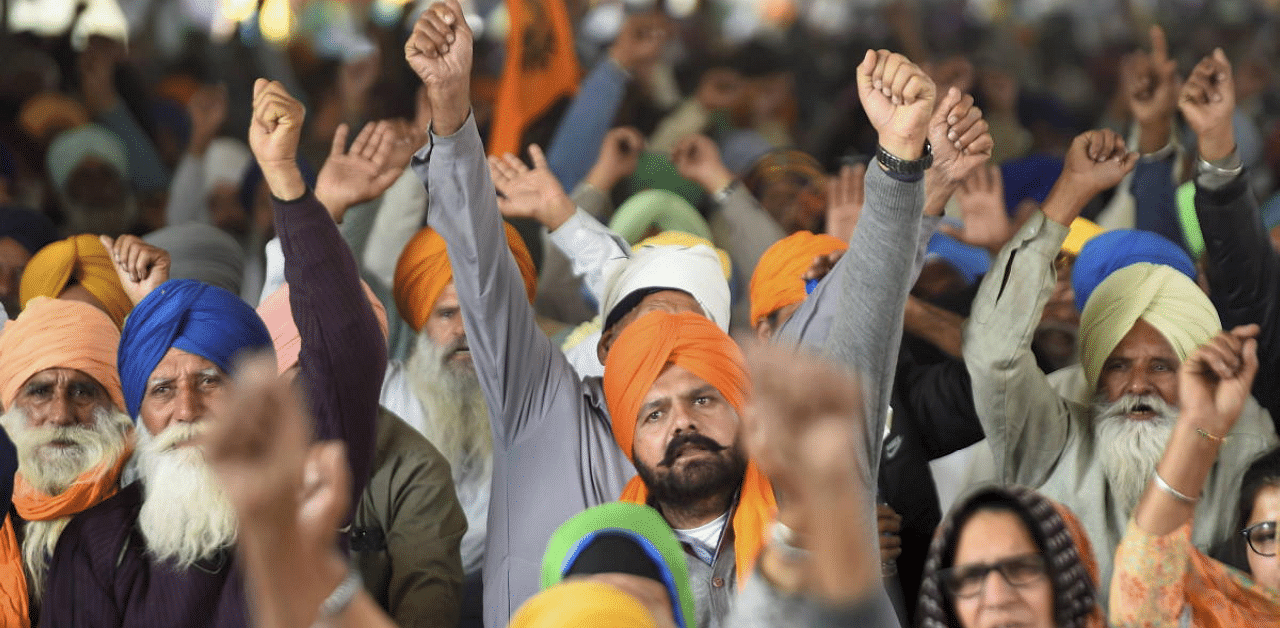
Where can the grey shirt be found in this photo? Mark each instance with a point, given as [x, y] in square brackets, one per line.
[554, 452]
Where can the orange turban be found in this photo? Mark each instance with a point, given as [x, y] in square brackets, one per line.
[582, 604]
[81, 259]
[56, 333]
[638, 357]
[276, 312]
[779, 277]
[424, 270]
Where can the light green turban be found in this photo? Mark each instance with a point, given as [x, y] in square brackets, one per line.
[1159, 295]
[668, 210]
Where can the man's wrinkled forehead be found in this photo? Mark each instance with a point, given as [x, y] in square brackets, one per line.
[639, 302]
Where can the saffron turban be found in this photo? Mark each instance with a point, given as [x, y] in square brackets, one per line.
[201, 252]
[277, 313]
[779, 277]
[80, 259]
[424, 270]
[55, 333]
[1114, 250]
[49, 112]
[1082, 230]
[188, 315]
[583, 604]
[695, 269]
[694, 343]
[666, 210]
[73, 146]
[1155, 293]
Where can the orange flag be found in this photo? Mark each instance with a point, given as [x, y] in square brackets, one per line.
[541, 68]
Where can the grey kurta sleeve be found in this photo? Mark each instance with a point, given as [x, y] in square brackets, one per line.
[515, 362]
[1026, 422]
[855, 313]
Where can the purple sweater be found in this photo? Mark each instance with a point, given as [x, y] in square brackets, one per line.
[101, 576]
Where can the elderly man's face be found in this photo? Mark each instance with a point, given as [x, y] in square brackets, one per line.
[670, 301]
[1142, 364]
[444, 328]
[686, 445]
[61, 397]
[183, 388]
[13, 260]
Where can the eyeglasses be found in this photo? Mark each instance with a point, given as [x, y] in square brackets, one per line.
[970, 580]
[1261, 538]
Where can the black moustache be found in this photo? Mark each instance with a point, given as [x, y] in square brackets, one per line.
[689, 438]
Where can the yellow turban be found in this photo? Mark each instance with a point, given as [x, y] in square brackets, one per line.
[424, 270]
[582, 604]
[80, 259]
[1155, 293]
[779, 277]
[1082, 230]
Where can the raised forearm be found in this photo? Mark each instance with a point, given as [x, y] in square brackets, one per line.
[941, 328]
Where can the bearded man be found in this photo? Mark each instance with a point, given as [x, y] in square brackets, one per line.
[1136, 329]
[555, 454]
[62, 402]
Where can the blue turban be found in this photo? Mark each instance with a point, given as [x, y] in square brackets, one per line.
[188, 315]
[1114, 250]
[972, 262]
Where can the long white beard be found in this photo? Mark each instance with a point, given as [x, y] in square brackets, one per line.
[185, 513]
[1130, 449]
[52, 470]
[457, 415]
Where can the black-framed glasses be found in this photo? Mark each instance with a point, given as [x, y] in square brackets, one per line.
[970, 580]
[1261, 538]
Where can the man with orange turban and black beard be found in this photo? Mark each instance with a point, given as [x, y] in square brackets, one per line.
[555, 454]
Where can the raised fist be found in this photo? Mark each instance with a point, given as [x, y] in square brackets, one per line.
[1207, 101]
[898, 97]
[1097, 161]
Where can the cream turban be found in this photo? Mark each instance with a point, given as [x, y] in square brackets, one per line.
[1159, 295]
[695, 269]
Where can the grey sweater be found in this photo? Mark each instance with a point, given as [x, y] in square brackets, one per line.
[554, 452]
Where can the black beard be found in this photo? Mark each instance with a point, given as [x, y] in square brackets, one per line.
[700, 479]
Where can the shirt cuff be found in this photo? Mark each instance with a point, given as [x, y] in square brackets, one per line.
[1043, 236]
[563, 236]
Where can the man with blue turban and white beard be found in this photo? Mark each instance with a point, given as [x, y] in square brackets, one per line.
[1137, 327]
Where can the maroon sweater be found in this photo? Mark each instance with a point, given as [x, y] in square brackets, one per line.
[101, 575]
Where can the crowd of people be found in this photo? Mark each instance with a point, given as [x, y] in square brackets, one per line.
[287, 342]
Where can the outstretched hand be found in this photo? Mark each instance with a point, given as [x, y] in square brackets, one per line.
[359, 174]
[141, 267]
[961, 144]
[845, 195]
[439, 51]
[981, 199]
[530, 192]
[898, 98]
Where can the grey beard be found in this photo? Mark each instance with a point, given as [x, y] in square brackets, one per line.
[185, 514]
[53, 470]
[457, 417]
[1130, 449]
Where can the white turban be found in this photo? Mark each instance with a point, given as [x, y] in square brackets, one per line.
[225, 162]
[1155, 293]
[697, 270]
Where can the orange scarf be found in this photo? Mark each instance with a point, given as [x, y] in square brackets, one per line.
[695, 343]
[756, 508]
[91, 488]
[1221, 597]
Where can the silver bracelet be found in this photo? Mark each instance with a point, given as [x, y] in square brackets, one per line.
[1164, 486]
[341, 597]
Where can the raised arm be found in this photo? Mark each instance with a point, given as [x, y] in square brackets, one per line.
[1242, 267]
[1153, 560]
[343, 353]
[1024, 419]
[513, 358]
[1150, 85]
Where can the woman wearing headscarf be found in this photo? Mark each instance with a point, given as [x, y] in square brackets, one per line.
[1161, 579]
[1010, 555]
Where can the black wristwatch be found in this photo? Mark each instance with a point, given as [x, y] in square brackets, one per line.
[897, 165]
